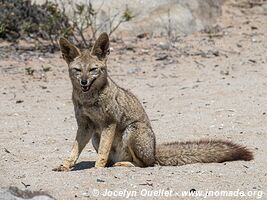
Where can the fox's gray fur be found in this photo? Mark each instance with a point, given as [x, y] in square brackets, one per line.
[117, 124]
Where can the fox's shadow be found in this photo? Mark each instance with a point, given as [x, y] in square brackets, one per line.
[83, 165]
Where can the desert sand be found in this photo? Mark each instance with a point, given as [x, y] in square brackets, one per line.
[204, 85]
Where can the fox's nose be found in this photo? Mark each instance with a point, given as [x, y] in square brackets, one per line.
[84, 82]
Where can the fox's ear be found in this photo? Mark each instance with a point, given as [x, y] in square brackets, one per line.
[101, 47]
[68, 50]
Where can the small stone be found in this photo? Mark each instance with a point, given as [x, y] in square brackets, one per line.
[164, 45]
[19, 101]
[86, 194]
[100, 180]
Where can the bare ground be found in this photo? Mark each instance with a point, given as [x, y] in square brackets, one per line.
[207, 85]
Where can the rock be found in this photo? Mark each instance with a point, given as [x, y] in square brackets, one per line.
[19, 101]
[100, 180]
[164, 45]
[142, 35]
[129, 46]
[161, 56]
[157, 17]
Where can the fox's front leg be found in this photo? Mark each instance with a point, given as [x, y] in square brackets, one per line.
[106, 140]
[83, 136]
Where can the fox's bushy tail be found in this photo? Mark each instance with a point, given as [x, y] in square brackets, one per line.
[202, 151]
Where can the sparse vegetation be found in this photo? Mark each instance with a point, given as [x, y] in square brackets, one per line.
[85, 23]
[29, 71]
[2, 30]
[22, 19]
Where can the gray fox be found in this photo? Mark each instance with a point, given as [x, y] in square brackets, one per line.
[117, 124]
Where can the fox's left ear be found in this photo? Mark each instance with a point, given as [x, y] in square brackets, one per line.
[101, 47]
[69, 51]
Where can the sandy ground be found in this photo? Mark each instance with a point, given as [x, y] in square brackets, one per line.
[205, 86]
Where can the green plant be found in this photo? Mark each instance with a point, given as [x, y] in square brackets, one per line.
[2, 29]
[127, 15]
[22, 19]
[29, 71]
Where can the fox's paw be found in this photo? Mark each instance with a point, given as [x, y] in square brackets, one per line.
[123, 164]
[61, 168]
[99, 165]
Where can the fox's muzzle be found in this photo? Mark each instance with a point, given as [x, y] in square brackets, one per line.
[83, 82]
[86, 84]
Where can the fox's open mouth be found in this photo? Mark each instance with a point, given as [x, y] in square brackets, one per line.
[86, 88]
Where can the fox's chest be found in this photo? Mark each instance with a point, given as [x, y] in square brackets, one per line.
[96, 114]
[102, 113]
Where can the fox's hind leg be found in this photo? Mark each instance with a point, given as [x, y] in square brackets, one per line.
[141, 144]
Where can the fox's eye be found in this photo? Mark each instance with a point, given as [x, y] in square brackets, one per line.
[77, 69]
[93, 69]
